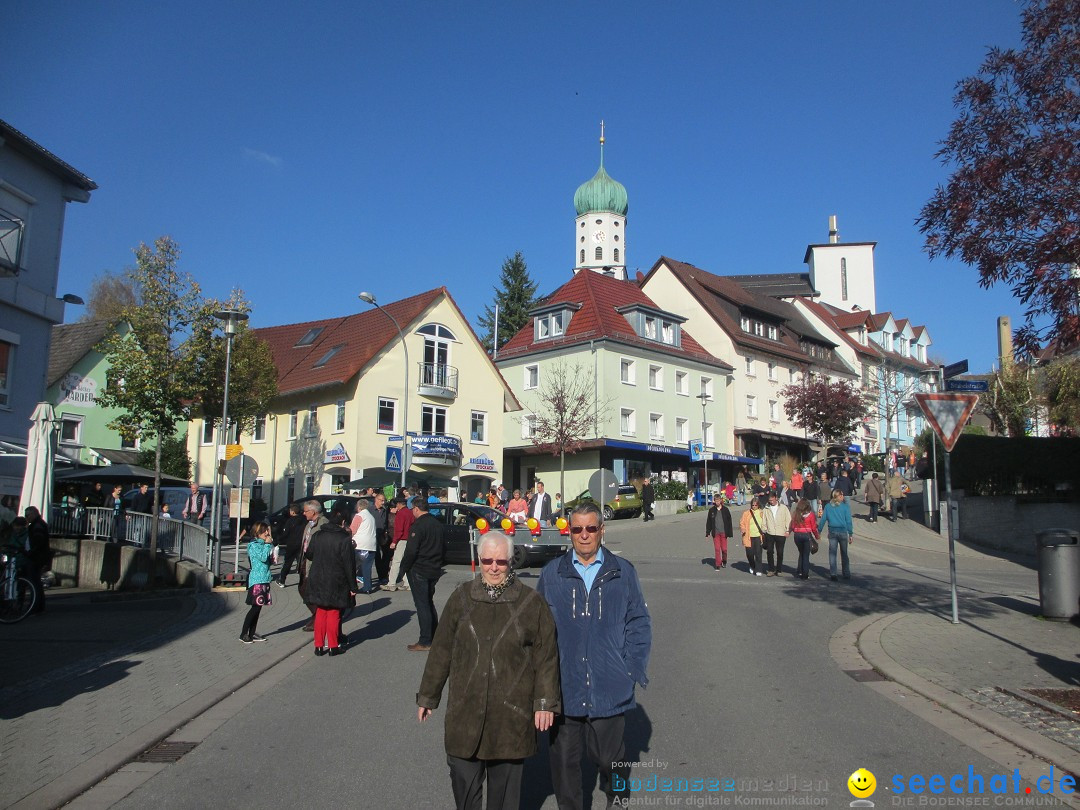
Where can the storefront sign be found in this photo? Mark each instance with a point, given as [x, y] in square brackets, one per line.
[335, 455]
[77, 391]
[481, 464]
[434, 445]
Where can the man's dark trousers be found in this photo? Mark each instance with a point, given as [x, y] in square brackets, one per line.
[423, 594]
[383, 555]
[602, 739]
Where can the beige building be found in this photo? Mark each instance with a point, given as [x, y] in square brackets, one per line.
[343, 402]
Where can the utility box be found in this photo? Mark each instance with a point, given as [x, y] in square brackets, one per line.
[1059, 573]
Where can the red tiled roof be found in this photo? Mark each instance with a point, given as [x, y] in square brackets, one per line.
[598, 297]
[360, 336]
[825, 313]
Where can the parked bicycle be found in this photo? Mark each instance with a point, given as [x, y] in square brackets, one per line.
[17, 594]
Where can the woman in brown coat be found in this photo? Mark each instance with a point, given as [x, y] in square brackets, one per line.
[496, 637]
[874, 495]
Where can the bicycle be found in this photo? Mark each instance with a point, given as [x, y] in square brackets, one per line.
[17, 594]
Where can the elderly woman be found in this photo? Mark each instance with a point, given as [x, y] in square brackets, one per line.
[495, 637]
[517, 508]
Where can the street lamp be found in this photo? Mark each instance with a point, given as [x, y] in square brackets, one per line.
[232, 319]
[704, 397]
[370, 299]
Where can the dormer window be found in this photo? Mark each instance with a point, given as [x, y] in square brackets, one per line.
[773, 333]
[552, 324]
[650, 328]
[744, 323]
[759, 328]
[310, 337]
[653, 324]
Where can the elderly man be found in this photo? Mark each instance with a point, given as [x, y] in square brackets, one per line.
[195, 505]
[898, 490]
[422, 563]
[498, 638]
[776, 527]
[313, 514]
[605, 635]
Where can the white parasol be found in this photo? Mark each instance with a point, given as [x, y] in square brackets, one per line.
[38, 478]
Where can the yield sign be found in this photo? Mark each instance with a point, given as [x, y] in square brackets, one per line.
[947, 414]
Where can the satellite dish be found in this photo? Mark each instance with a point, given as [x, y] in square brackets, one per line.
[603, 486]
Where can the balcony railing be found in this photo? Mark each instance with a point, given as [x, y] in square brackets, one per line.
[438, 380]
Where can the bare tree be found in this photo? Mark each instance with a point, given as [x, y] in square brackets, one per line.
[111, 294]
[567, 414]
[892, 387]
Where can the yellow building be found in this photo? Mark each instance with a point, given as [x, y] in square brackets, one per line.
[343, 402]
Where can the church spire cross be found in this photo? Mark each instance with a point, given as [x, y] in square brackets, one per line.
[601, 142]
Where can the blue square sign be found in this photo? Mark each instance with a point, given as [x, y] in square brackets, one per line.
[393, 459]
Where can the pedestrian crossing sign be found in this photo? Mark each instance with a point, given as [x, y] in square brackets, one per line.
[393, 459]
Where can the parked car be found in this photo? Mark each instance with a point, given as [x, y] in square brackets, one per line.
[460, 518]
[626, 503]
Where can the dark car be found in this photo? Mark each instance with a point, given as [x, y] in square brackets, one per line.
[626, 503]
[460, 518]
[330, 503]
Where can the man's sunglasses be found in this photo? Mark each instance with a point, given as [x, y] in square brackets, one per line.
[580, 529]
[490, 560]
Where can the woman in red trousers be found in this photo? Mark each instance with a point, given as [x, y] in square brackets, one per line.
[331, 581]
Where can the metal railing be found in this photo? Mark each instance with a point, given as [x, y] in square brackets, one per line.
[440, 376]
[188, 541]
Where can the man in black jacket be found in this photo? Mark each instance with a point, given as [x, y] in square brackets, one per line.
[40, 554]
[648, 496]
[422, 564]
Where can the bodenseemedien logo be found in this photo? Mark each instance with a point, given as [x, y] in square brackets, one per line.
[862, 785]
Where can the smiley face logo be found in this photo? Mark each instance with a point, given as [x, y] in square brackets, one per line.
[862, 784]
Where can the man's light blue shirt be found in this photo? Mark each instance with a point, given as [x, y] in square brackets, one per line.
[589, 572]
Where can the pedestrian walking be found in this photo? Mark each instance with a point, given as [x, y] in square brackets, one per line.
[315, 520]
[898, 490]
[604, 634]
[422, 563]
[403, 521]
[260, 553]
[777, 525]
[825, 491]
[496, 637]
[873, 494]
[804, 527]
[740, 486]
[362, 529]
[195, 505]
[648, 496]
[331, 581]
[837, 516]
[292, 539]
[810, 492]
[718, 527]
[751, 531]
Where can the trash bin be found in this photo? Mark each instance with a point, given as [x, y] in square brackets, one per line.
[1059, 573]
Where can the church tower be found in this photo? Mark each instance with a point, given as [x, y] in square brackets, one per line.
[600, 227]
[843, 272]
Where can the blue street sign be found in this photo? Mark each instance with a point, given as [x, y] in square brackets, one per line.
[395, 438]
[971, 386]
[413, 433]
[393, 459]
[951, 370]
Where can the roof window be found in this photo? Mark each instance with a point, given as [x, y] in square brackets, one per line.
[326, 358]
[310, 337]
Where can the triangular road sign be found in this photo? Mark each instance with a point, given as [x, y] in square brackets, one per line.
[947, 414]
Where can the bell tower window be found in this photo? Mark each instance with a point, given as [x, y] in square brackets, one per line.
[616, 254]
[582, 259]
[599, 253]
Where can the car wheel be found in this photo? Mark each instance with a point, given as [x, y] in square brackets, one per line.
[637, 513]
[609, 513]
[521, 557]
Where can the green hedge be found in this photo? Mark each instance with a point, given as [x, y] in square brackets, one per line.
[670, 490]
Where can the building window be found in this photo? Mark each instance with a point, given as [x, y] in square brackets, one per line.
[543, 327]
[682, 383]
[294, 421]
[310, 336]
[710, 439]
[207, 432]
[843, 279]
[7, 365]
[557, 323]
[626, 371]
[791, 374]
[668, 333]
[313, 420]
[326, 358]
[656, 426]
[751, 406]
[309, 485]
[681, 434]
[706, 387]
[387, 415]
[616, 252]
[759, 329]
[772, 371]
[532, 377]
[257, 489]
[478, 427]
[744, 323]
[750, 372]
[433, 419]
[290, 488]
[774, 410]
[528, 426]
[129, 443]
[773, 334]
[656, 378]
[599, 253]
[650, 328]
[626, 421]
[70, 429]
[259, 433]
[339, 418]
[582, 259]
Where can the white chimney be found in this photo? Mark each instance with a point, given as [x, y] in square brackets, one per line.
[834, 235]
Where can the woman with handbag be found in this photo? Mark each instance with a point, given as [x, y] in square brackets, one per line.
[750, 526]
[804, 525]
[259, 551]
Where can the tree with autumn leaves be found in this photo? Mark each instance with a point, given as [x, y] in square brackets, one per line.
[830, 410]
[1011, 207]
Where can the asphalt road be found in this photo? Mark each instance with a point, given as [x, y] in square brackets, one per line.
[743, 688]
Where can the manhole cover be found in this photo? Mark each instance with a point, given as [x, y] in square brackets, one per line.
[865, 675]
[166, 752]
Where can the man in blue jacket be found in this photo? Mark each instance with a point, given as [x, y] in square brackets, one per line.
[604, 636]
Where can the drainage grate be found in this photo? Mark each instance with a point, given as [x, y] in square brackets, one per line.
[865, 675]
[166, 752]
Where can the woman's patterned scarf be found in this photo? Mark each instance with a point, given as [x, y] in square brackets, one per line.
[495, 591]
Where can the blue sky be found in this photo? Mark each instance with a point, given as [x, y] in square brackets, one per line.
[306, 152]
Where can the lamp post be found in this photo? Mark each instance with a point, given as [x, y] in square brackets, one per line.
[405, 443]
[704, 397]
[232, 319]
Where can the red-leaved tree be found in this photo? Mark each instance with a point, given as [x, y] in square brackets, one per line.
[1012, 206]
[828, 409]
